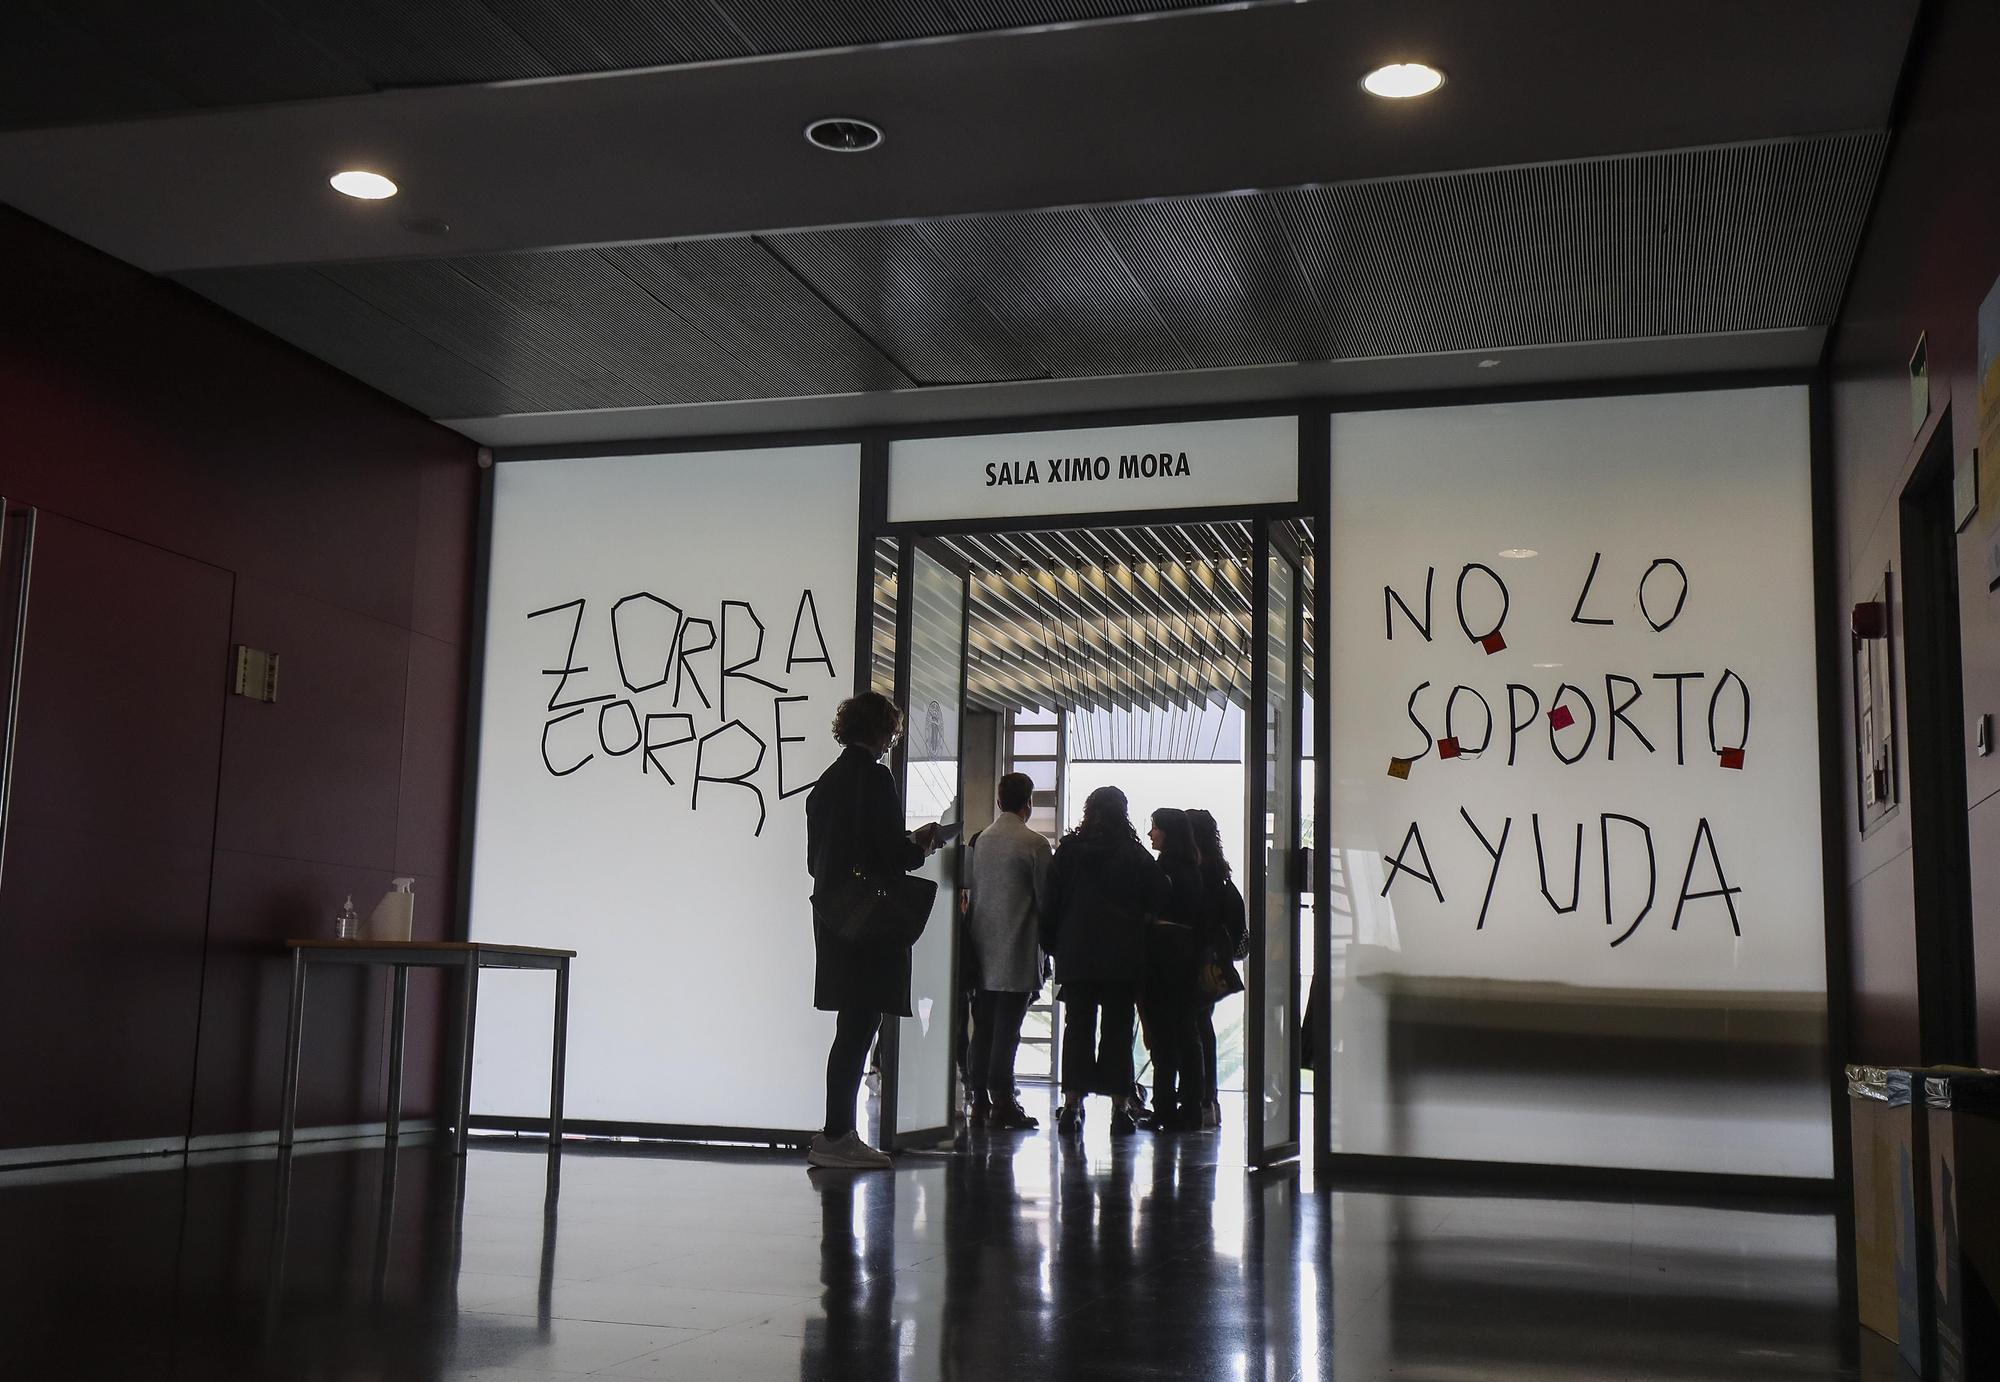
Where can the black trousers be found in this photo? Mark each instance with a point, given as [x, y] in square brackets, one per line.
[853, 1029]
[1205, 1030]
[996, 1039]
[1097, 1044]
[1172, 1011]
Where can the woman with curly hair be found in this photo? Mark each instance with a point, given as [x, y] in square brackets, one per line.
[1223, 938]
[1102, 888]
[854, 824]
[1168, 994]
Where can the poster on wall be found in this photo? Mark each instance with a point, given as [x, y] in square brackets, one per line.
[666, 644]
[1985, 482]
[1576, 793]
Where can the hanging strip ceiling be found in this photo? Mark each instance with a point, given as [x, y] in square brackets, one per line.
[1109, 618]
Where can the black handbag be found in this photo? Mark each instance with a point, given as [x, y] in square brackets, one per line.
[876, 911]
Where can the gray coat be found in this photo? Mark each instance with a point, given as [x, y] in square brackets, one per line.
[1008, 880]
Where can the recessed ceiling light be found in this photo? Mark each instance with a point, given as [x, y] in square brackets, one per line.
[1488, 364]
[1545, 666]
[1401, 80]
[1519, 552]
[369, 187]
[843, 134]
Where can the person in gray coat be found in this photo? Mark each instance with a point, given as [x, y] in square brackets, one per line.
[1008, 878]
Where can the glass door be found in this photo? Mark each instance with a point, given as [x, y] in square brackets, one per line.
[921, 1102]
[1277, 876]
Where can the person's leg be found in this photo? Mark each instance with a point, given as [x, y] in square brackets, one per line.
[1205, 1033]
[1114, 1053]
[1008, 1012]
[1079, 1057]
[979, 1051]
[853, 1029]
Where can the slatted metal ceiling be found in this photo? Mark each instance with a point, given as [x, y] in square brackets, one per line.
[1693, 242]
[1130, 618]
[71, 61]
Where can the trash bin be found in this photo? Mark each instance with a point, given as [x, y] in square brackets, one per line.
[1891, 1206]
[1962, 1109]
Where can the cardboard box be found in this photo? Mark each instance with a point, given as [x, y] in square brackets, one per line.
[1892, 1202]
[1870, 1115]
[1962, 1110]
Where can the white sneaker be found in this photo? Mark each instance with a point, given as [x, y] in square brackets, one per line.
[845, 1153]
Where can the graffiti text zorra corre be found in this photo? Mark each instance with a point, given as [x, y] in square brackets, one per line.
[678, 672]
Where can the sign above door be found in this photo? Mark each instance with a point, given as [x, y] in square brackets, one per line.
[1180, 465]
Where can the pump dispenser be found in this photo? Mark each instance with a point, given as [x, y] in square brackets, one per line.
[395, 915]
[347, 921]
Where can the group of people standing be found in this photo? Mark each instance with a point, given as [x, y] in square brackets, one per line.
[1145, 937]
[1132, 937]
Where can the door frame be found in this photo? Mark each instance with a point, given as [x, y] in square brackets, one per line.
[1269, 541]
[1934, 706]
[890, 1041]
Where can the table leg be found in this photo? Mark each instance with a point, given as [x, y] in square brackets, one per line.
[559, 1056]
[288, 1111]
[468, 1020]
[398, 1019]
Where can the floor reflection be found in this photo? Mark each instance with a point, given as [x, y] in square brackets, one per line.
[1010, 1255]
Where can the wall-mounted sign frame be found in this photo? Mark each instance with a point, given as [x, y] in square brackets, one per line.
[1216, 463]
[1875, 714]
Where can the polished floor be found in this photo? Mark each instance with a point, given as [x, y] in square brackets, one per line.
[1009, 1257]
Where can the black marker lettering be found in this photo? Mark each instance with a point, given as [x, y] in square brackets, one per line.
[1542, 864]
[778, 705]
[653, 746]
[1618, 716]
[621, 636]
[1680, 681]
[554, 771]
[808, 613]
[1496, 851]
[1391, 601]
[569, 667]
[1515, 721]
[1505, 600]
[1743, 733]
[1652, 870]
[1396, 864]
[1576, 615]
[684, 667]
[740, 779]
[735, 669]
[1722, 888]
[1680, 601]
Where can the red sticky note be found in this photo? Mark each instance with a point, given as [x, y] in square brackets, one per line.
[1560, 718]
[1732, 758]
[1447, 748]
[1493, 643]
[1399, 767]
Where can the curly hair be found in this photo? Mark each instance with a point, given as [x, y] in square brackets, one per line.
[1177, 837]
[867, 719]
[1208, 841]
[1107, 813]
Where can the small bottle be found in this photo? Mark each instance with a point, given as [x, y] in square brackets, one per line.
[347, 921]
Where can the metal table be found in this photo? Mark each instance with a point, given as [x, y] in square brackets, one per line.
[467, 958]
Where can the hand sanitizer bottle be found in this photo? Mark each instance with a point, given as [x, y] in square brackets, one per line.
[347, 921]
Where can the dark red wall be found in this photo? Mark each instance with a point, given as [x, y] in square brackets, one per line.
[1931, 254]
[338, 526]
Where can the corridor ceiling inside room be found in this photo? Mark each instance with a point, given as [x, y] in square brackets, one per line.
[1143, 208]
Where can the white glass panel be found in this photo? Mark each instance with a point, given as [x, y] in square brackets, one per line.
[1554, 1004]
[937, 635]
[1281, 816]
[657, 812]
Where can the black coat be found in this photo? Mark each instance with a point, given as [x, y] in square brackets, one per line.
[1102, 891]
[854, 820]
